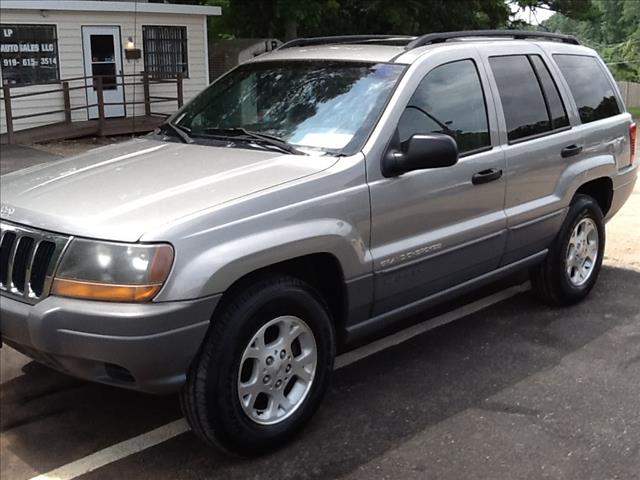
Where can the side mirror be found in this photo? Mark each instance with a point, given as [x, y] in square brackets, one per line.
[433, 150]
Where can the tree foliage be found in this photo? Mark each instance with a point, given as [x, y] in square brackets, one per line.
[610, 26]
[286, 19]
[576, 9]
[613, 30]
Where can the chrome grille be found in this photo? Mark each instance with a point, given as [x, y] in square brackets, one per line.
[28, 259]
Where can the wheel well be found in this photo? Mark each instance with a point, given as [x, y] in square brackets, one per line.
[601, 190]
[320, 270]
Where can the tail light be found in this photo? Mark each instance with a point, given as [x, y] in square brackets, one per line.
[633, 131]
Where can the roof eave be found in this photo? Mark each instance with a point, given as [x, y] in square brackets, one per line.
[124, 7]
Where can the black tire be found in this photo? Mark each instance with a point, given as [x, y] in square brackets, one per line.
[550, 280]
[209, 398]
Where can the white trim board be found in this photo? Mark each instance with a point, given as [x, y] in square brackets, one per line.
[206, 51]
[128, 7]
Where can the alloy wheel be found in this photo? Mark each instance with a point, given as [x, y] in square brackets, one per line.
[582, 252]
[277, 370]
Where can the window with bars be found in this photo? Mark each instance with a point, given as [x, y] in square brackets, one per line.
[165, 51]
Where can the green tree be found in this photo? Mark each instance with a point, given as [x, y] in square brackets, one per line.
[286, 19]
[268, 18]
[613, 30]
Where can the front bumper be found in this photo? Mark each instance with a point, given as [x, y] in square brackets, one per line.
[147, 347]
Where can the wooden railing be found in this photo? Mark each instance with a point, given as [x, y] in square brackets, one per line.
[96, 82]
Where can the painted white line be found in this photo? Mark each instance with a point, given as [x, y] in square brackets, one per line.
[116, 452]
[166, 432]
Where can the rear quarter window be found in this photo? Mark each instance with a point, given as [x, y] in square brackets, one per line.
[591, 88]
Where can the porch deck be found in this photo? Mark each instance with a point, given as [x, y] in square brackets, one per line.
[87, 128]
[103, 125]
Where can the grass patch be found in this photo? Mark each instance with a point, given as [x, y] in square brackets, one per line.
[635, 111]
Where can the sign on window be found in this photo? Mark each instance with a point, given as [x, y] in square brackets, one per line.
[28, 54]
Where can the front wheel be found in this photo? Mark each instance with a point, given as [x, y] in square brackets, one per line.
[263, 369]
[574, 261]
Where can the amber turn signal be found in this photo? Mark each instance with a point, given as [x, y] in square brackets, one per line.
[104, 291]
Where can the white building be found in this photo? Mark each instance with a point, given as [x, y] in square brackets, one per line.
[44, 43]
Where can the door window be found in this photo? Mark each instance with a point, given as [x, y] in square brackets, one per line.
[529, 96]
[103, 60]
[449, 100]
[557, 112]
[591, 89]
[521, 96]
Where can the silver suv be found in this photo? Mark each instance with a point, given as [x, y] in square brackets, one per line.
[309, 199]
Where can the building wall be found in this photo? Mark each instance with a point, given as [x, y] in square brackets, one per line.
[71, 61]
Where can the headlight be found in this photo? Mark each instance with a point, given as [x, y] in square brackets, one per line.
[114, 272]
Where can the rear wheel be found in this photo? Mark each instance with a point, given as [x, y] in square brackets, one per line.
[574, 261]
[263, 369]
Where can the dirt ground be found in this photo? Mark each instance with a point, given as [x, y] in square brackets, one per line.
[67, 148]
[623, 233]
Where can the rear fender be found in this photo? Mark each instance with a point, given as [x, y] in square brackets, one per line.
[583, 172]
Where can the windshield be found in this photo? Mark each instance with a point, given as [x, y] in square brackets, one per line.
[324, 105]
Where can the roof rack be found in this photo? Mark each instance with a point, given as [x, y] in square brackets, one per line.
[349, 39]
[411, 42]
[432, 38]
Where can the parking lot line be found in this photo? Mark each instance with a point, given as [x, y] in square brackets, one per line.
[116, 452]
[166, 432]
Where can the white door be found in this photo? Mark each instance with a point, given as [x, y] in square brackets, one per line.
[103, 58]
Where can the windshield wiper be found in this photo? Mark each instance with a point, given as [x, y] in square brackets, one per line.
[181, 132]
[248, 135]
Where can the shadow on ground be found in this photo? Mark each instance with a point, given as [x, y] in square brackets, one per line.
[373, 406]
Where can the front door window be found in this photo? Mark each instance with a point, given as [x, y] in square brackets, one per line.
[103, 60]
[449, 100]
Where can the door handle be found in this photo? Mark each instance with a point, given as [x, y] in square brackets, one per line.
[486, 176]
[571, 150]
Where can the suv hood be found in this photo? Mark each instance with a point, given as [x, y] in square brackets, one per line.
[119, 192]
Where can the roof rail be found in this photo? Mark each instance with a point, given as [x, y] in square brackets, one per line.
[432, 38]
[348, 39]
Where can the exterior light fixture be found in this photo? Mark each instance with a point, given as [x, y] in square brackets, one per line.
[130, 51]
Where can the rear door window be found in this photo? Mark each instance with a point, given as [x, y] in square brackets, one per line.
[591, 89]
[449, 100]
[521, 96]
[557, 111]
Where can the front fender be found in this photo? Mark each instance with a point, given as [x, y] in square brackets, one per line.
[324, 213]
[216, 269]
